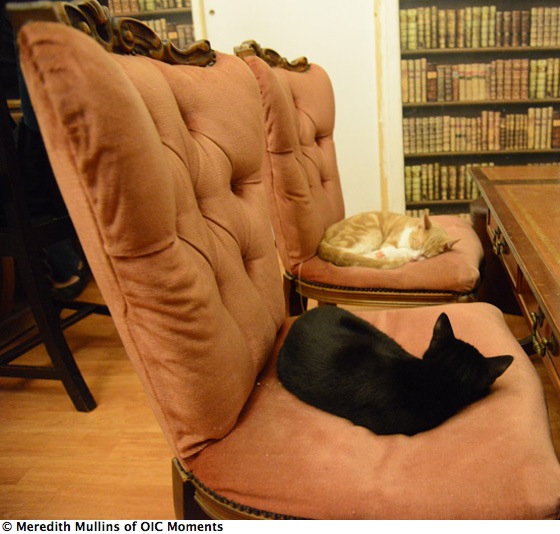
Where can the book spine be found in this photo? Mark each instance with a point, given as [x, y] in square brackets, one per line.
[403, 29]
[420, 28]
[412, 29]
[525, 27]
[442, 28]
[460, 40]
[484, 26]
[476, 25]
[404, 81]
[468, 27]
[555, 130]
[516, 27]
[431, 83]
[492, 27]
[434, 18]
[451, 31]
[499, 29]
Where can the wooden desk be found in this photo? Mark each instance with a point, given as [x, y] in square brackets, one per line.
[523, 224]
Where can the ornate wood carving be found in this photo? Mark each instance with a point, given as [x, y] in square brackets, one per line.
[252, 48]
[121, 35]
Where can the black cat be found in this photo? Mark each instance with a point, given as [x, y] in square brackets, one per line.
[340, 363]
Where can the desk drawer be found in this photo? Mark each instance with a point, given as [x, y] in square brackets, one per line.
[552, 364]
[544, 338]
[527, 301]
[501, 249]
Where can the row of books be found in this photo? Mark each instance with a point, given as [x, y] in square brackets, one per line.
[420, 213]
[180, 34]
[417, 212]
[122, 7]
[538, 129]
[432, 181]
[478, 27]
[501, 79]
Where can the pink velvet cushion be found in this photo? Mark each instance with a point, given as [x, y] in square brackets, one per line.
[303, 185]
[493, 460]
[160, 166]
[456, 270]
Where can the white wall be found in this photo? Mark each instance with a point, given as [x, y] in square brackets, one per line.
[389, 105]
[340, 37]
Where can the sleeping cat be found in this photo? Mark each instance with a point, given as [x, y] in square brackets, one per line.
[339, 363]
[383, 240]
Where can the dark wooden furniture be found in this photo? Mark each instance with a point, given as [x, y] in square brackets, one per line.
[22, 242]
[24, 239]
[523, 223]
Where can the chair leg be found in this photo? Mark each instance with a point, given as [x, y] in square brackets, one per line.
[47, 318]
[7, 283]
[184, 503]
[296, 303]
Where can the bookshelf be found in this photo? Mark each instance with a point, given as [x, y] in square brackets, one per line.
[170, 19]
[480, 84]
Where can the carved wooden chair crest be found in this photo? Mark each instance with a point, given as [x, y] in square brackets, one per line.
[120, 35]
[272, 58]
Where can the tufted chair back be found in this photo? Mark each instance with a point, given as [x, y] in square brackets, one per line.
[303, 184]
[301, 158]
[161, 174]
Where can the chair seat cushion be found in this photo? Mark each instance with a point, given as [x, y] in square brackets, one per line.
[492, 460]
[454, 271]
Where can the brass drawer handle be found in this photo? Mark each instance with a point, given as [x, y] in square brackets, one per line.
[537, 319]
[498, 243]
[540, 347]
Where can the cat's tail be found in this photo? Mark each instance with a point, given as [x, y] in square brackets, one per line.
[347, 258]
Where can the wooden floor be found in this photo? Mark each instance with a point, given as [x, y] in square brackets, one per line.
[55, 462]
[111, 463]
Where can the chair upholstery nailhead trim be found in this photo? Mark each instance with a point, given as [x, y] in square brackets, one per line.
[257, 513]
[380, 289]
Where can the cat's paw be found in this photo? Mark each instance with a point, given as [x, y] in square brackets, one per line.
[380, 255]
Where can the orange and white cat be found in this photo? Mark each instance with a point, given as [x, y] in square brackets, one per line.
[383, 240]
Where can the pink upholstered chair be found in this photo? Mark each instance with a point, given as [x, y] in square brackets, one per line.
[305, 198]
[160, 167]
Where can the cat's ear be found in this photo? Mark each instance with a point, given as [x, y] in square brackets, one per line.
[425, 223]
[449, 244]
[443, 328]
[497, 365]
[443, 333]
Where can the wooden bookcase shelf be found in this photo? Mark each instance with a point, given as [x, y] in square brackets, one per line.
[480, 86]
[449, 207]
[482, 103]
[495, 51]
[168, 12]
[467, 153]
